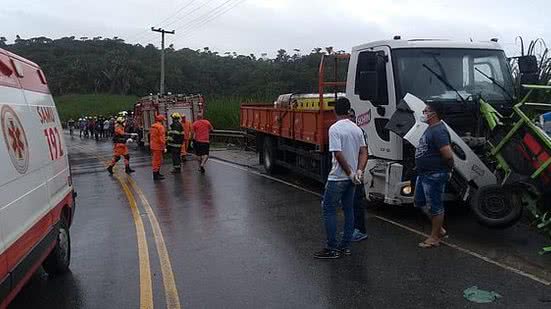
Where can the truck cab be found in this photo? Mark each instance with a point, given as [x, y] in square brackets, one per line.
[455, 74]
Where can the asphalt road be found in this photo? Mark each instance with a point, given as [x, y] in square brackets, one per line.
[232, 238]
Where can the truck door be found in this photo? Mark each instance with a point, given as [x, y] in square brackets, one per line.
[370, 90]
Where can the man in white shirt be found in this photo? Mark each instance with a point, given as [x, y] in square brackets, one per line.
[349, 151]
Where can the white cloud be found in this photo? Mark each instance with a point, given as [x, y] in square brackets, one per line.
[257, 26]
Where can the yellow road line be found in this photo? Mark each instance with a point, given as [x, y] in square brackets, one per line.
[171, 292]
[146, 293]
[146, 290]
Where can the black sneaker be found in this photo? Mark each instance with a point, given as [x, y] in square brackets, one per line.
[202, 170]
[345, 251]
[110, 169]
[327, 254]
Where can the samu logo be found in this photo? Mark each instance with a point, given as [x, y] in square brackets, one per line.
[15, 139]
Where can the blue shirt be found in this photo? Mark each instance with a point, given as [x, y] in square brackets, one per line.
[427, 155]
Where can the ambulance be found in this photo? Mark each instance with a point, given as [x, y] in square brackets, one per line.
[36, 192]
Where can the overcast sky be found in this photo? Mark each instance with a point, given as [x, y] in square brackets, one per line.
[258, 26]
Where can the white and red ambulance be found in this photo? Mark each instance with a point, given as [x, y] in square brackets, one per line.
[36, 192]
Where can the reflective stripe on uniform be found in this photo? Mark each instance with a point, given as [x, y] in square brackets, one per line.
[175, 132]
[174, 145]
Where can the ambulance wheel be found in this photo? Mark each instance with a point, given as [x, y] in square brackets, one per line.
[59, 259]
[268, 153]
[497, 206]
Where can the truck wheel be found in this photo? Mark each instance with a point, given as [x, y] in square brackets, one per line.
[59, 259]
[497, 206]
[268, 152]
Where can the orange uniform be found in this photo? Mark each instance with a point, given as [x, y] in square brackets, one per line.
[157, 144]
[120, 150]
[188, 131]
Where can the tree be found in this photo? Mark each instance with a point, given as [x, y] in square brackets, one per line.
[113, 66]
[316, 50]
[282, 56]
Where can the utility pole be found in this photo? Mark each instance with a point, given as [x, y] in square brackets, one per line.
[162, 31]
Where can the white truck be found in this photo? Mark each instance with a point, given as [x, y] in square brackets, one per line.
[388, 84]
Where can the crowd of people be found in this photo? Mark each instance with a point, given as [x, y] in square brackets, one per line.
[177, 140]
[98, 127]
[344, 189]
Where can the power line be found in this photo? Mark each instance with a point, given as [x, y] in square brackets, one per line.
[203, 17]
[139, 35]
[191, 12]
[190, 31]
[176, 20]
[175, 13]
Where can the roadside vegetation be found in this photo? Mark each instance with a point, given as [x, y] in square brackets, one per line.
[74, 106]
[223, 112]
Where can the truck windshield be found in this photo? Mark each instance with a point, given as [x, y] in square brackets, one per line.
[461, 68]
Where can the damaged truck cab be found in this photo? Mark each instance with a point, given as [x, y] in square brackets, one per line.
[388, 84]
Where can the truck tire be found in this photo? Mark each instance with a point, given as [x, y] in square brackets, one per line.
[268, 153]
[59, 259]
[497, 206]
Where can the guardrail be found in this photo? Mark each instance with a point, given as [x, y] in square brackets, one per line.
[237, 137]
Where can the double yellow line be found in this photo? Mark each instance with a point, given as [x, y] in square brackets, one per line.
[146, 291]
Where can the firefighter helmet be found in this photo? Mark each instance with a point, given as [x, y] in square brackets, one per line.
[160, 118]
[175, 115]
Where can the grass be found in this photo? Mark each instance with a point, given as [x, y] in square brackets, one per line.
[222, 112]
[77, 105]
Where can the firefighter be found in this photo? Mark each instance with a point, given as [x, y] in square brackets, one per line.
[174, 141]
[158, 146]
[188, 130]
[120, 149]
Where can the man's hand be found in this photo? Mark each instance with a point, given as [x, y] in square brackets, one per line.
[359, 176]
[353, 178]
[165, 150]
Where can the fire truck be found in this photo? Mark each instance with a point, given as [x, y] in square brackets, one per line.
[147, 107]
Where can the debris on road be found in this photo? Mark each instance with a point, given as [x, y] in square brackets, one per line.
[479, 296]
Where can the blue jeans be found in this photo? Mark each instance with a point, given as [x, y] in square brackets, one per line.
[335, 192]
[429, 189]
[359, 209]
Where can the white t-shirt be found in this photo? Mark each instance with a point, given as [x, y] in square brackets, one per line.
[346, 137]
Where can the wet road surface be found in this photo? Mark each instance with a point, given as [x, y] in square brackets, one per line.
[235, 239]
